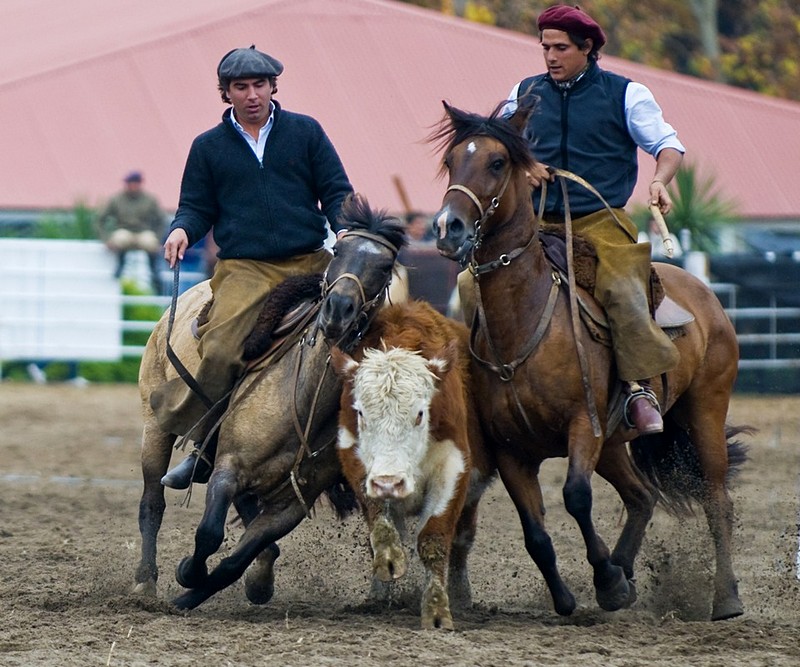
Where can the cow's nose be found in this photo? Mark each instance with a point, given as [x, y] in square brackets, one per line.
[387, 486]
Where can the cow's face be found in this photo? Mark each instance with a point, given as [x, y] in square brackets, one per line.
[391, 392]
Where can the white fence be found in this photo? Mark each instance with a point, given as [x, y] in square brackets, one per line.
[60, 301]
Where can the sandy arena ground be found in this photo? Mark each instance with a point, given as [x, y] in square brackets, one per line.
[69, 543]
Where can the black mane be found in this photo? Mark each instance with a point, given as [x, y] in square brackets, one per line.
[457, 126]
[357, 214]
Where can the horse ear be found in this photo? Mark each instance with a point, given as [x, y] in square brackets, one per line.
[525, 105]
[447, 108]
[343, 364]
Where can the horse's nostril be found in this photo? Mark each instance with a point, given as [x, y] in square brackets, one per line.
[457, 226]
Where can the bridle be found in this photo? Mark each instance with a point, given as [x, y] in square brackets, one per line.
[484, 214]
[367, 311]
[506, 371]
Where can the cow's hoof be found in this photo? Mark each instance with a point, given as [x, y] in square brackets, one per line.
[389, 563]
[436, 609]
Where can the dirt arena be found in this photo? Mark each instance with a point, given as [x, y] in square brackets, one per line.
[69, 543]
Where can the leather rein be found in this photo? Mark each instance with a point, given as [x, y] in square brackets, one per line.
[301, 336]
[347, 342]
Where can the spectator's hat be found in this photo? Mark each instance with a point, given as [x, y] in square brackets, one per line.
[133, 177]
[572, 20]
[248, 63]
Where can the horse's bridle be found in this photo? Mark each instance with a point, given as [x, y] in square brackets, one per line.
[356, 331]
[505, 258]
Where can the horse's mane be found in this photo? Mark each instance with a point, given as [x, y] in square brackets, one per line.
[457, 125]
[356, 214]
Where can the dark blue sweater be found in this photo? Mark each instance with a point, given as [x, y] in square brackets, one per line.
[262, 210]
[583, 130]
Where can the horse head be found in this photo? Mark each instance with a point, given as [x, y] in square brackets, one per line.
[486, 159]
[358, 276]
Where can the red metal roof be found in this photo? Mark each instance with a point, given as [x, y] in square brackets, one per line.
[90, 89]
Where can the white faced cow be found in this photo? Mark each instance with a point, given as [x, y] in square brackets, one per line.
[410, 445]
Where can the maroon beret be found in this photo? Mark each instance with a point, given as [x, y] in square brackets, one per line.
[572, 20]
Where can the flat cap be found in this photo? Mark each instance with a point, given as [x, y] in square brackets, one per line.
[133, 177]
[248, 63]
[573, 20]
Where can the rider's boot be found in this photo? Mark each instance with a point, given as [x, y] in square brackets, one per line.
[196, 467]
[642, 411]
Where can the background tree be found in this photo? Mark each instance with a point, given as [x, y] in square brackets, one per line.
[752, 44]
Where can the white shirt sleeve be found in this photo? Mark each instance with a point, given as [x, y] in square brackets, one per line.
[646, 122]
[511, 103]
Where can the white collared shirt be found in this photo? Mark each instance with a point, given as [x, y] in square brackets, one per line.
[257, 145]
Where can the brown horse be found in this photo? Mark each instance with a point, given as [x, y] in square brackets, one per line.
[275, 454]
[537, 395]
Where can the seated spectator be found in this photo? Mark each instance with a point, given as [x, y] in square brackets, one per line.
[133, 220]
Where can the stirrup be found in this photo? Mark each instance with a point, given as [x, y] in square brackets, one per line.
[638, 390]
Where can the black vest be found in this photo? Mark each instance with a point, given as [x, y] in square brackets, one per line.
[583, 130]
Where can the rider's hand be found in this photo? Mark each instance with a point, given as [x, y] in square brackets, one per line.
[175, 246]
[660, 197]
[538, 174]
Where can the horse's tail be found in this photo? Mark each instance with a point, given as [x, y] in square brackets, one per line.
[342, 498]
[670, 462]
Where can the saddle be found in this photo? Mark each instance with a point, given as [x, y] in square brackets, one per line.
[287, 305]
[670, 316]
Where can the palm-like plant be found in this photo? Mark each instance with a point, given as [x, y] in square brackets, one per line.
[697, 207]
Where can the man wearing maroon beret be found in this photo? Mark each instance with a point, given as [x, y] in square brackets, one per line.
[590, 121]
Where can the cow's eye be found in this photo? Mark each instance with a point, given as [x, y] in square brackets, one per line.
[420, 415]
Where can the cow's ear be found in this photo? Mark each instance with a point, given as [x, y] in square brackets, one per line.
[343, 364]
[444, 360]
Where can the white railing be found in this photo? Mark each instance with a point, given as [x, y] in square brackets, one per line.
[59, 301]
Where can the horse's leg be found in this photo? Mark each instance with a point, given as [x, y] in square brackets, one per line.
[433, 547]
[616, 467]
[259, 582]
[192, 570]
[459, 589]
[264, 530]
[611, 587]
[523, 487]
[156, 451]
[706, 426]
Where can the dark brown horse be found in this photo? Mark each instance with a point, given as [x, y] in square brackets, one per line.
[535, 402]
[275, 455]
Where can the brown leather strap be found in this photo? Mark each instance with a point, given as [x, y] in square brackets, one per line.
[183, 372]
[583, 362]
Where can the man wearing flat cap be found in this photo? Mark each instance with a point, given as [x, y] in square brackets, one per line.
[590, 121]
[267, 182]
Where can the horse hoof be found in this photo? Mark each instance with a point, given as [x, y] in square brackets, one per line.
[615, 594]
[145, 589]
[188, 575]
[186, 601]
[259, 590]
[565, 605]
[730, 608]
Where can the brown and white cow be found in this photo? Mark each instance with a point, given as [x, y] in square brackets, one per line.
[410, 446]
